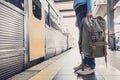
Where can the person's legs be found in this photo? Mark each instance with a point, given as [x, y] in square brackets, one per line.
[90, 62]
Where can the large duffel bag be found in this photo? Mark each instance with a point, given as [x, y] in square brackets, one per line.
[93, 36]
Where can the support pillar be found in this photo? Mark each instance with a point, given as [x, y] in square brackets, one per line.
[110, 18]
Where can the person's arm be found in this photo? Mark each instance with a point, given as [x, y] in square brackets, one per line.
[89, 8]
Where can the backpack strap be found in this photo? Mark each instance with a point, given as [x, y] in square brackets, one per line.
[93, 38]
[105, 47]
[80, 46]
[81, 35]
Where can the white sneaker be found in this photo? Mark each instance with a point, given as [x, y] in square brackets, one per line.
[80, 67]
[86, 71]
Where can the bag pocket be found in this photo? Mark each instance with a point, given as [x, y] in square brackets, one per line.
[99, 51]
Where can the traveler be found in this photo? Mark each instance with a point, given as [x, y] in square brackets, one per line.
[83, 8]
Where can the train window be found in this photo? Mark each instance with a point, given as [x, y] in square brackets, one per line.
[18, 3]
[46, 13]
[36, 7]
[53, 14]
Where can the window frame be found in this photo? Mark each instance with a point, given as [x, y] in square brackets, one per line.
[38, 5]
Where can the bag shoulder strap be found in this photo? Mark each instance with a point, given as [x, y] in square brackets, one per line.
[105, 47]
[80, 44]
[81, 35]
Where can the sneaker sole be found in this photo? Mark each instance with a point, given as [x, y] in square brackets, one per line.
[91, 72]
[86, 74]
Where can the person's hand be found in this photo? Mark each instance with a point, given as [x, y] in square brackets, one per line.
[89, 14]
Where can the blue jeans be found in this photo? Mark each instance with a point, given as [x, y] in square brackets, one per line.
[89, 61]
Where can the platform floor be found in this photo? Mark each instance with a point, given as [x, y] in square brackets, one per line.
[111, 72]
[61, 68]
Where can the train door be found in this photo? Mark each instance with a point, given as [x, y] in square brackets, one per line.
[12, 49]
[36, 21]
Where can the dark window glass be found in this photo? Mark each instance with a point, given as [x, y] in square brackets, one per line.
[18, 3]
[46, 13]
[36, 7]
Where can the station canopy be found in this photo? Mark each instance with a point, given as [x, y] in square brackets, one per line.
[65, 7]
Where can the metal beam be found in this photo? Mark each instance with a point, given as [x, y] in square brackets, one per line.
[115, 2]
[69, 16]
[57, 1]
[66, 10]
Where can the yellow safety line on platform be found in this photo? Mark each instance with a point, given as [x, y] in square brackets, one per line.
[49, 72]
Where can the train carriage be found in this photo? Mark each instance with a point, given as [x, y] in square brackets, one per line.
[56, 41]
[12, 39]
[30, 32]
